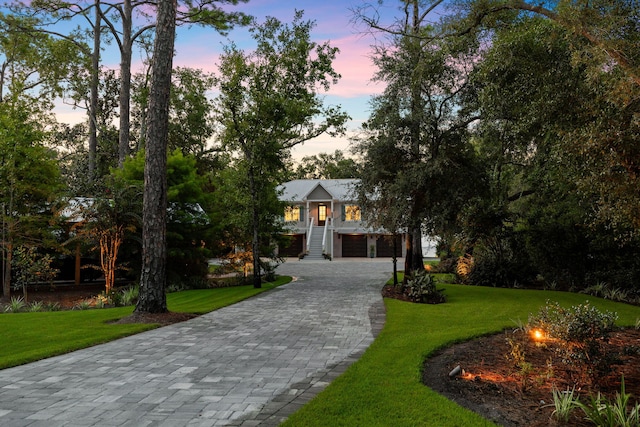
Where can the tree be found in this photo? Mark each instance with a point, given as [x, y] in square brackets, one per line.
[191, 235]
[108, 221]
[609, 27]
[31, 267]
[119, 19]
[551, 172]
[417, 122]
[29, 184]
[269, 103]
[33, 66]
[152, 297]
[191, 123]
[327, 166]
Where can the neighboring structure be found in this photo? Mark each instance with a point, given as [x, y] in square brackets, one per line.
[325, 221]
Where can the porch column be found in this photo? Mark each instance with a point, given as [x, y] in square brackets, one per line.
[332, 213]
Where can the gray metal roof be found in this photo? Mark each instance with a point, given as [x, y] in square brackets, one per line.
[299, 189]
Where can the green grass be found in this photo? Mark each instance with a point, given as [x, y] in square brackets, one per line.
[383, 388]
[202, 301]
[27, 337]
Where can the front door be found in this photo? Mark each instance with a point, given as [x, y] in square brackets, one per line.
[322, 214]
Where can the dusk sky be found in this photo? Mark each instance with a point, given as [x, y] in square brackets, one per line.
[198, 47]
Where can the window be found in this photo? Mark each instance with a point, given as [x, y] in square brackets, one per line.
[352, 213]
[293, 214]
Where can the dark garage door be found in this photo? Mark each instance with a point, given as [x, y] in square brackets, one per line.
[384, 246]
[354, 246]
[294, 248]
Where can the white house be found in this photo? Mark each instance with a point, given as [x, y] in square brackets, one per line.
[324, 220]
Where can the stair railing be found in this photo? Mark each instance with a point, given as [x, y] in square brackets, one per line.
[324, 236]
[309, 233]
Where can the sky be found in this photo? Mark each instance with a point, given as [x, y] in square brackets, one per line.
[198, 47]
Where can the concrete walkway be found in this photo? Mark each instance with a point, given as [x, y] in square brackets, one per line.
[250, 364]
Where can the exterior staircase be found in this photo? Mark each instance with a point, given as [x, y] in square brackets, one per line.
[315, 244]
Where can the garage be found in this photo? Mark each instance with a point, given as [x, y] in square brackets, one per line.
[294, 248]
[354, 246]
[384, 246]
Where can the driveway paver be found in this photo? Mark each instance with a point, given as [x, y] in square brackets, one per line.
[253, 363]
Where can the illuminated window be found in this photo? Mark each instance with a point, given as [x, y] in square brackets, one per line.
[293, 213]
[352, 213]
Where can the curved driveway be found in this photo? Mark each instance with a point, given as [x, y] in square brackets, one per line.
[253, 363]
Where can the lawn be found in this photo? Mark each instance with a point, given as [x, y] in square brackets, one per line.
[383, 388]
[27, 337]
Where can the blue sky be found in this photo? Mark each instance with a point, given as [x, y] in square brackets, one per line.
[332, 24]
[199, 47]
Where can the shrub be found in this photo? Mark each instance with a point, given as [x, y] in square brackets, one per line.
[269, 270]
[83, 305]
[488, 270]
[564, 402]
[16, 305]
[603, 412]
[421, 287]
[36, 306]
[130, 295]
[584, 331]
[446, 265]
[52, 306]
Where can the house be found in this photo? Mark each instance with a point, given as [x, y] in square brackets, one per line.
[324, 221]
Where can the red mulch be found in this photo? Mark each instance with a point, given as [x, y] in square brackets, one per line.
[69, 296]
[494, 387]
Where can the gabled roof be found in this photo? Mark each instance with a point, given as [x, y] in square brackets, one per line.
[300, 189]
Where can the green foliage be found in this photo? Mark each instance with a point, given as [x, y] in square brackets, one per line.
[36, 306]
[52, 306]
[29, 184]
[192, 235]
[31, 267]
[327, 166]
[35, 64]
[16, 305]
[191, 123]
[553, 207]
[130, 295]
[34, 336]
[584, 331]
[417, 121]
[268, 103]
[605, 413]
[564, 402]
[421, 287]
[367, 393]
[83, 305]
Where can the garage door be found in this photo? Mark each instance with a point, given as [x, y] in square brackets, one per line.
[354, 246]
[294, 248]
[384, 246]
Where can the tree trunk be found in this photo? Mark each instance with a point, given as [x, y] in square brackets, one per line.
[413, 260]
[6, 280]
[255, 224]
[125, 81]
[395, 259]
[93, 102]
[154, 252]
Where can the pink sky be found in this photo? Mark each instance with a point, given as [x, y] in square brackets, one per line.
[198, 47]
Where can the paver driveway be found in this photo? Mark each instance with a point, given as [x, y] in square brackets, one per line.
[253, 363]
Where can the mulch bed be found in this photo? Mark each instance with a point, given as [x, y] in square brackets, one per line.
[493, 387]
[69, 296]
